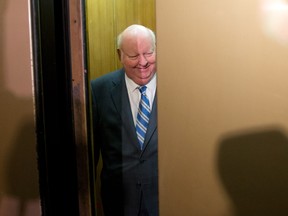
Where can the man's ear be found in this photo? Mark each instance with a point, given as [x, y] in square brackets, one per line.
[119, 54]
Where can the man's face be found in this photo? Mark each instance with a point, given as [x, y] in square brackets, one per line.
[138, 57]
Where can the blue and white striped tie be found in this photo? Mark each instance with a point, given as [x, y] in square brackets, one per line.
[142, 116]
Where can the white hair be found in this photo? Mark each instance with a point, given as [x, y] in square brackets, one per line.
[136, 29]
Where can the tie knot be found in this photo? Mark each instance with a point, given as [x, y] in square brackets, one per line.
[142, 89]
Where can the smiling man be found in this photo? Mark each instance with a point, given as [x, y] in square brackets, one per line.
[125, 127]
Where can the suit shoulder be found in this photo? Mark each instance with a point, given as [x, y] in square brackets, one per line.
[114, 76]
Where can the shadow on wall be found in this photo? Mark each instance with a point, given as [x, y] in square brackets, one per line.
[19, 194]
[24, 182]
[253, 167]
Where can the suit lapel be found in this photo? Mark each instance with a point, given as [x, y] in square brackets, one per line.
[116, 92]
[152, 122]
[121, 101]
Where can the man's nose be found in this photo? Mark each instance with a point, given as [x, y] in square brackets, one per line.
[142, 60]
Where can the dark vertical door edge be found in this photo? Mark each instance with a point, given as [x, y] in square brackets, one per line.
[53, 108]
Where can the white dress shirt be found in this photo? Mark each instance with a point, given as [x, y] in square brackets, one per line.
[135, 95]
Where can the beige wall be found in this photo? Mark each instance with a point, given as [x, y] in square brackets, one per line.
[18, 170]
[223, 99]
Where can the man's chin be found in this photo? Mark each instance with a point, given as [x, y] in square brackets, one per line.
[144, 80]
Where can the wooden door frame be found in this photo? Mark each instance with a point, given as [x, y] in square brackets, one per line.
[61, 102]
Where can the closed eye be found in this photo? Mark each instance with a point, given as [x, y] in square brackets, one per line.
[148, 54]
[133, 57]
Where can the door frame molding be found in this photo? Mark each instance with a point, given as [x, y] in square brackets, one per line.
[61, 105]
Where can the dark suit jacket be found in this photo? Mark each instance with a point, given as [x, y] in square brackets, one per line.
[129, 175]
